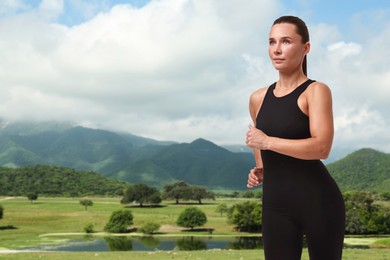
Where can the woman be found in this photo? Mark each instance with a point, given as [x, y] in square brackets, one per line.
[293, 131]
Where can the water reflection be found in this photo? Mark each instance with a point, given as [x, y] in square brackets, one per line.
[150, 243]
[119, 243]
[191, 244]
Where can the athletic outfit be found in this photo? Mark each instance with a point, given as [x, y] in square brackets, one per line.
[299, 196]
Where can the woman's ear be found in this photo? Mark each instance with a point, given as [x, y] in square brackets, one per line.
[307, 48]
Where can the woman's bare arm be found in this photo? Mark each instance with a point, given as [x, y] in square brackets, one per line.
[318, 146]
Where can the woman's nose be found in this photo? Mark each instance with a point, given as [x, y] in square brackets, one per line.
[277, 49]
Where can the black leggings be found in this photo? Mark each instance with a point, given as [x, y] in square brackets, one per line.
[283, 233]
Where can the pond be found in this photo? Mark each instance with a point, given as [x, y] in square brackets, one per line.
[151, 243]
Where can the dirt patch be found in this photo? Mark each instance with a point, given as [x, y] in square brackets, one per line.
[170, 228]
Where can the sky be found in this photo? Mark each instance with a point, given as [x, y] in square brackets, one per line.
[180, 70]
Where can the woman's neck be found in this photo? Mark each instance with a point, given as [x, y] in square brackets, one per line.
[288, 82]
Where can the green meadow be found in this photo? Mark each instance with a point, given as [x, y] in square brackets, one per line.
[55, 220]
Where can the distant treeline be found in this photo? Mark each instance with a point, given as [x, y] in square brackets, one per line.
[56, 181]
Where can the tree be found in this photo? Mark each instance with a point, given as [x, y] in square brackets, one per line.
[222, 208]
[178, 190]
[191, 217]
[32, 196]
[1, 211]
[86, 203]
[248, 194]
[235, 194]
[141, 193]
[246, 216]
[198, 193]
[119, 221]
[258, 194]
[363, 216]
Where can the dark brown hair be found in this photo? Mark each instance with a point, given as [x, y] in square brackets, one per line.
[301, 29]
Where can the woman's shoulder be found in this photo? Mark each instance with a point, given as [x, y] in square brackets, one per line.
[258, 94]
[318, 85]
[318, 91]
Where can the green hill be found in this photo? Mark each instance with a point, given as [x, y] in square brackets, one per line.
[365, 169]
[198, 163]
[55, 181]
[123, 156]
[141, 160]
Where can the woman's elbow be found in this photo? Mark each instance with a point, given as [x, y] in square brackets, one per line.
[324, 151]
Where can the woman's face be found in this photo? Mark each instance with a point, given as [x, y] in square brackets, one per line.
[286, 49]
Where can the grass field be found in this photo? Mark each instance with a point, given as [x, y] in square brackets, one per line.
[53, 220]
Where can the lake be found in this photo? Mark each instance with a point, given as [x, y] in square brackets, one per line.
[152, 243]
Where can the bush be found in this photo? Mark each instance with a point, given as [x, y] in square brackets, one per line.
[191, 217]
[246, 216]
[119, 221]
[150, 228]
[89, 228]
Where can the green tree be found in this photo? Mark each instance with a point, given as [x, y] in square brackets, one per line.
[222, 208]
[385, 195]
[258, 194]
[248, 194]
[141, 193]
[177, 191]
[235, 194]
[246, 216]
[191, 217]
[86, 203]
[363, 216]
[198, 193]
[150, 228]
[119, 221]
[32, 196]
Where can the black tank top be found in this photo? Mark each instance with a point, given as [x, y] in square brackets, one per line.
[285, 177]
[282, 117]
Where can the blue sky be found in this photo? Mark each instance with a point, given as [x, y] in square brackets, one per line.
[183, 69]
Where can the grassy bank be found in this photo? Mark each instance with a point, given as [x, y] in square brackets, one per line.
[349, 254]
[34, 222]
[53, 220]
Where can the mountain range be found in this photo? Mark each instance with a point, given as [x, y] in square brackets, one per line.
[123, 156]
[137, 159]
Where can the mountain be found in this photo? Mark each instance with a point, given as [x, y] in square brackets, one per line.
[199, 163]
[141, 160]
[365, 169]
[123, 156]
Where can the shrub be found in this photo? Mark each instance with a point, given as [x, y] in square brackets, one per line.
[246, 216]
[89, 228]
[150, 228]
[119, 221]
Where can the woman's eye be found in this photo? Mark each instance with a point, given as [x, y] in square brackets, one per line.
[286, 41]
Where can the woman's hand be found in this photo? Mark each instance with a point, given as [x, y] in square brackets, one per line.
[255, 177]
[255, 138]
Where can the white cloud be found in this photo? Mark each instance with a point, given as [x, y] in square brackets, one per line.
[50, 9]
[11, 6]
[176, 66]
[178, 70]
